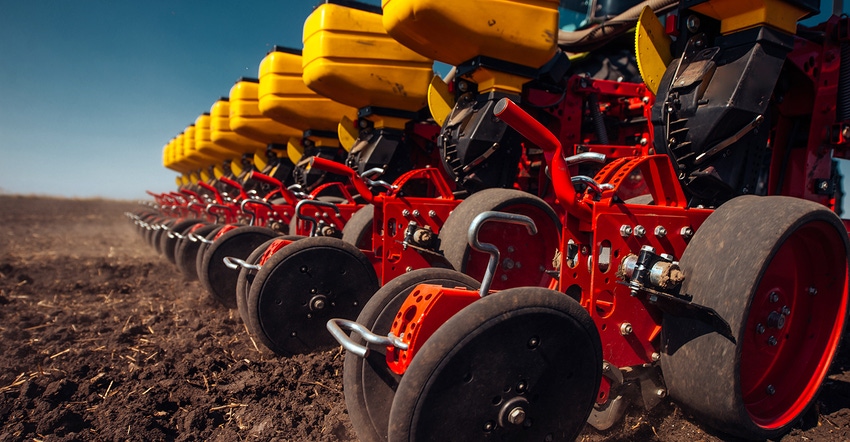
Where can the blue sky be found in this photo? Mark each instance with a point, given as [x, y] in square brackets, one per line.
[91, 90]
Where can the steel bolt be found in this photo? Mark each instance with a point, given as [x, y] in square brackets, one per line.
[462, 86]
[660, 231]
[625, 329]
[511, 249]
[625, 230]
[785, 310]
[489, 426]
[813, 291]
[516, 416]
[504, 277]
[771, 341]
[533, 342]
[662, 393]
[771, 390]
[686, 232]
[773, 297]
[643, 141]
[415, 213]
[759, 328]
[408, 269]
[692, 22]
[776, 320]
[824, 185]
[639, 231]
[432, 213]
[405, 213]
[645, 100]
[521, 387]
[656, 356]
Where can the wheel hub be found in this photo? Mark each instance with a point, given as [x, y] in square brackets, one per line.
[513, 412]
[318, 302]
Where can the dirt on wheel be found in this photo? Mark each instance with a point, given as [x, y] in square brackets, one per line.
[101, 338]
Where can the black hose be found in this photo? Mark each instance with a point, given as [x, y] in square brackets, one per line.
[598, 122]
[591, 38]
[844, 83]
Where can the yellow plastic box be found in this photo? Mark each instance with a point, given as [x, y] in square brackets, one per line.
[204, 143]
[523, 32]
[349, 57]
[284, 97]
[246, 119]
[221, 134]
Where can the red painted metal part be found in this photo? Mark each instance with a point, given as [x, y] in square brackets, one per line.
[226, 228]
[808, 340]
[797, 167]
[592, 228]
[423, 312]
[273, 248]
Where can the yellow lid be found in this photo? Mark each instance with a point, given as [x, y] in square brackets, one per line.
[735, 16]
[285, 98]
[246, 119]
[204, 143]
[349, 57]
[523, 32]
[223, 135]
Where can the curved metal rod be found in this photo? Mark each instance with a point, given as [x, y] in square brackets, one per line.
[375, 183]
[253, 214]
[172, 234]
[491, 249]
[591, 183]
[309, 218]
[236, 263]
[585, 157]
[198, 238]
[336, 326]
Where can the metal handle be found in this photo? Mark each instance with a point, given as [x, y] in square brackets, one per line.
[309, 218]
[472, 237]
[198, 238]
[585, 157]
[376, 183]
[236, 263]
[253, 214]
[336, 326]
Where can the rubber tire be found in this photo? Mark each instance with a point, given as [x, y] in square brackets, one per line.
[186, 252]
[358, 229]
[724, 264]
[539, 248]
[368, 384]
[168, 245]
[215, 276]
[246, 277]
[282, 284]
[473, 365]
[203, 247]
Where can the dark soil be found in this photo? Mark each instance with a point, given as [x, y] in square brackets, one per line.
[102, 339]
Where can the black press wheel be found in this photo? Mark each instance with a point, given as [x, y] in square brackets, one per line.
[358, 229]
[246, 276]
[215, 276]
[521, 364]
[304, 285]
[524, 258]
[169, 244]
[186, 252]
[369, 385]
[775, 268]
